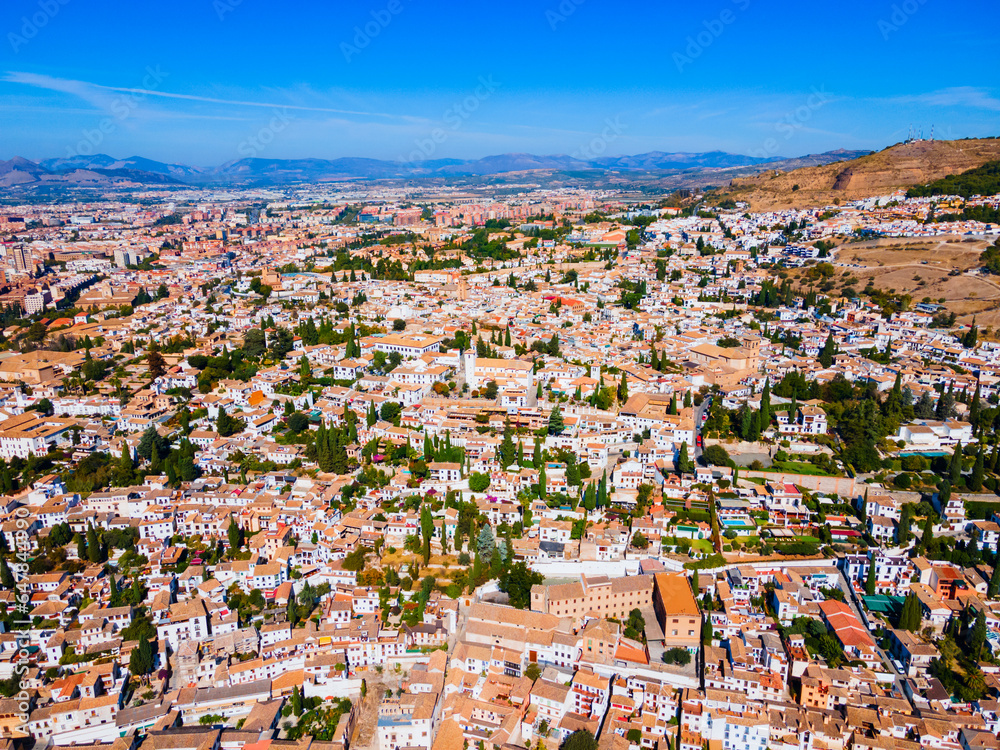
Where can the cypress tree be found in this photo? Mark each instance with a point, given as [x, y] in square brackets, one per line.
[956, 463]
[978, 472]
[994, 586]
[870, 580]
[910, 616]
[114, 597]
[556, 423]
[974, 410]
[93, 545]
[590, 499]
[827, 352]
[765, 404]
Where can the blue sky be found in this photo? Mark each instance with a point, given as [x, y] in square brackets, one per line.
[209, 81]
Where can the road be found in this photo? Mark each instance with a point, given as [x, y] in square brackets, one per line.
[698, 411]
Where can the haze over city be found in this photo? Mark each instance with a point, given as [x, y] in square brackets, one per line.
[191, 82]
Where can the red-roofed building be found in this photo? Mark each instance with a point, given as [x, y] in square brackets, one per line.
[853, 636]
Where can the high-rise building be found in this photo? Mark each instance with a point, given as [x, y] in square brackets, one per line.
[20, 259]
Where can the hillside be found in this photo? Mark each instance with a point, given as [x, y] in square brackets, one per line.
[901, 166]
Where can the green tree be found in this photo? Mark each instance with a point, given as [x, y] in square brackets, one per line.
[426, 531]
[870, 581]
[682, 459]
[254, 343]
[517, 581]
[994, 586]
[765, 405]
[142, 659]
[486, 544]
[716, 455]
[623, 390]
[978, 471]
[827, 352]
[910, 616]
[478, 482]
[155, 363]
[94, 551]
[508, 451]
[978, 636]
[234, 534]
[555, 421]
[955, 471]
[297, 422]
[114, 596]
[581, 739]
[905, 521]
[6, 576]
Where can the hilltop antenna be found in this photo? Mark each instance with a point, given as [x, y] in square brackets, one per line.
[932, 132]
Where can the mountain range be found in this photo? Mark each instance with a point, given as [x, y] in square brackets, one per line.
[101, 170]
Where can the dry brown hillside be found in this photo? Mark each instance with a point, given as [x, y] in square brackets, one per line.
[899, 166]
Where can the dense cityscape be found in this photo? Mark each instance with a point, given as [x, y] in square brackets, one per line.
[527, 376]
[358, 467]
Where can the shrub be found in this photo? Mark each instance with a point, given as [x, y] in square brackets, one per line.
[716, 455]
[679, 656]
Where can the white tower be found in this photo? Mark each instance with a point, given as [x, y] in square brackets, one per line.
[469, 361]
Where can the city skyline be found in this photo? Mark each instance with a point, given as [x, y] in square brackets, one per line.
[395, 81]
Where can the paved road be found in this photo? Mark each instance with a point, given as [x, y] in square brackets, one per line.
[698, 411]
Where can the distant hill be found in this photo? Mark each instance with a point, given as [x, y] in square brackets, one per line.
[132, 163]
[19, 172]
[901, 166]
[654, 171]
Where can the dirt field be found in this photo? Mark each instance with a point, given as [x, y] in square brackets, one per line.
[921, 268]
[947, 253]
